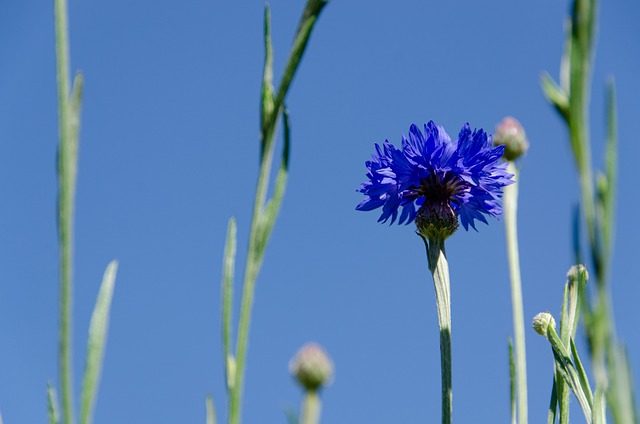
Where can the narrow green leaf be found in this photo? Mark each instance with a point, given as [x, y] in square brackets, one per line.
[512, 382]
[267, 102]
[567, 369]
[562, 394]
[52, 405]
[227, 289]
[631, 390]
[555, 95]
[575, 234]
[287, 139]
[75, 106]
[553, 404]
[621, 393]
[211, 413]
[565, 61]
[575, 290]
[584, 380]
[599, 406]
[307, 21]
[611, 161]
[272, 208]
[96, 344]
[562, 389]
[564, 317]
[231, 373]
[569, 375]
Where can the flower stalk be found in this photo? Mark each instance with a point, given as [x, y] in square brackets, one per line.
[313, 369]
[67, 157]
[449, 183]
[510, 204]
[311, 406]
[439, 267]
[69, 106]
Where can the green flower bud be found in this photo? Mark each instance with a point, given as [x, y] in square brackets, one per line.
[578, 273]
[510, 133]
[542, 321]
[312, 367]
[436, 220]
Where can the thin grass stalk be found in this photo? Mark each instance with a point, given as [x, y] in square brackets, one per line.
[66, 194]
[262, 221]
[511, 229]
[572, 102]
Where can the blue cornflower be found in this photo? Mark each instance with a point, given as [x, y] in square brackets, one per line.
[434, 180]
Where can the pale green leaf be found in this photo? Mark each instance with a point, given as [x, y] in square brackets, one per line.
[227, 290]
[52, 405]
[97, 341]
[211, 413]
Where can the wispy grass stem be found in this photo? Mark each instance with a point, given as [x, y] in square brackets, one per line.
[511, 228]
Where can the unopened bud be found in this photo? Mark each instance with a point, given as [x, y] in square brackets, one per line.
[436, 220]
[312, 367]
[578, 273]
[542, 321]
[510, 133]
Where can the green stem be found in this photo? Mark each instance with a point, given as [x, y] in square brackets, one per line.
[254, 260]
[511, 227]
[262, 222]
[439, 268]
[66, 181]
[565, 365]
[311, 407]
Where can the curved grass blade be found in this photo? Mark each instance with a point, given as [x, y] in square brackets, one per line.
[52, 405]
[611, 160]
[555, 95]
[98, 329]
[211, 413]
[553, 404]
[599, 407]
[272, 208]
[584, 380]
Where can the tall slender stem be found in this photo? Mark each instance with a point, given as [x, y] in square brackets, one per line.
[264, 216]
[511, 229]
[254, 260]
[66, 187]
[311, 407]
[439, 268]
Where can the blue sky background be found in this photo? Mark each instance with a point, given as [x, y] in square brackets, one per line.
[169, 148]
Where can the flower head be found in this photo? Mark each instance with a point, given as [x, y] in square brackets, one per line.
[433, 174]
[578, 273]
[312, 367]
[542, 321]
[510, 133]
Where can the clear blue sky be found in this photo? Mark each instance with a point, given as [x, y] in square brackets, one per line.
[169, 147]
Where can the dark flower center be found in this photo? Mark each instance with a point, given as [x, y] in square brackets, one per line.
[440, 188]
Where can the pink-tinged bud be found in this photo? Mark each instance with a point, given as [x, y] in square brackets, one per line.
[510, 133]
[312, 367]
